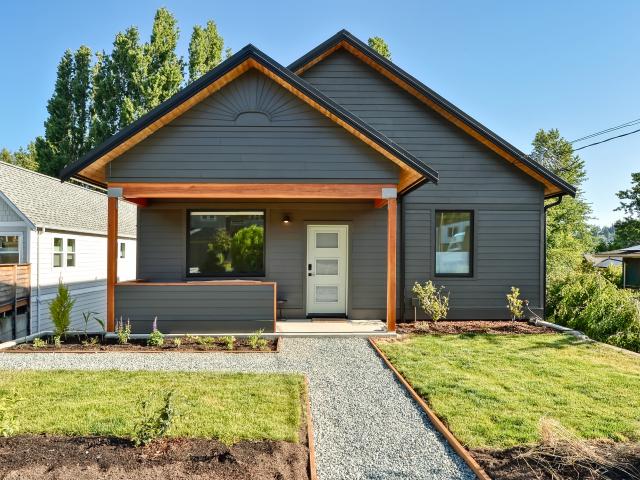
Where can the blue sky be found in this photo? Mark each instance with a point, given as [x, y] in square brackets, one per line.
[514, 66]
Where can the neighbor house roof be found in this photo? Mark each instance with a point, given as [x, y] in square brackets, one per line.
[633, 251]
[92, 165]
[554, 185]
[45, 201]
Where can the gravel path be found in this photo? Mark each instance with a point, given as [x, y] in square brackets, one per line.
[365, 424]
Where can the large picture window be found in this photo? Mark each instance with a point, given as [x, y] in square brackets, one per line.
[10, 248]
[225, 243]
[454, 243]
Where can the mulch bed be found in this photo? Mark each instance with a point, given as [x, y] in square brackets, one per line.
[74, 344]
[457, 327]
[518, 463]
[79, 458]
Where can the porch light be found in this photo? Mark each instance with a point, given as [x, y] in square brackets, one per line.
[286, 219]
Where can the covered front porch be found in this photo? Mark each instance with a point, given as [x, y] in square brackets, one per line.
[176, 283]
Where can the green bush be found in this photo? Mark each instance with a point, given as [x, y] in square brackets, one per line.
[589, 302]
[247, 249]
[60, 309]
[153, 422]
[432, 300]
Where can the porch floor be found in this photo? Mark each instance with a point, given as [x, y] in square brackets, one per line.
[332, 328]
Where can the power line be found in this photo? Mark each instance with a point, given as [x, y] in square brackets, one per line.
[608, 130]
[607, 140]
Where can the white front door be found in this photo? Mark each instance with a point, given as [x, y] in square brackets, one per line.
[327, 267]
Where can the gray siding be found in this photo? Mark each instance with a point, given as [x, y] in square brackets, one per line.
[7, 214]
[162, 248]
[252, 129]
[508, 204]
[196, 309]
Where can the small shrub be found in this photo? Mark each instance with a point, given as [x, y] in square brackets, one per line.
[256, 342]
[57, 341]
[39, 343]
[432, 300]
[86, 318]
[515, 304]
[205, 341]
[228, 342]
[153, 423]
[177, 342]
[91, 342]
[8, 416]
[156, 338]
[60, 309]
[123, 331]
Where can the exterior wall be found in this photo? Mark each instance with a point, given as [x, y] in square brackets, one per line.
[632, 272]
[86, 281]
[162, 233]
[508, 205]
[197, 309]
[252, 129]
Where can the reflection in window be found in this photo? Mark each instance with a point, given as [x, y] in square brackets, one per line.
[9, 249]
[453, 243]
[226, 243]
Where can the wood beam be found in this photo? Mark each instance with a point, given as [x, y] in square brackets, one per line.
[379, 203]
[112, 260]
[392, 233]
[141, 202]
[233, 191]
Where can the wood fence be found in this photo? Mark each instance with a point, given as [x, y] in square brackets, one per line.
[15, 291]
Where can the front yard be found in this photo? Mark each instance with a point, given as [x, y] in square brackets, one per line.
[498, 391]
[241, 415]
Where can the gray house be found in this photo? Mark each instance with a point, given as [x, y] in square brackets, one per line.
[320, 190]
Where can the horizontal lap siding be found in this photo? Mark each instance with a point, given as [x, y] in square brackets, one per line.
[508, 205]
[197, 309]
[162, 248]
[283, 140]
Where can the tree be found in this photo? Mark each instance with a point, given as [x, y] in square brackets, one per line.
[380, 46]
[80, 87]
[164, 73]
[205, 50]
[569, 235]
[627, 230]
[25, 158]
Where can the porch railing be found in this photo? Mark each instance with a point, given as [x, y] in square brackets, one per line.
[15, 293]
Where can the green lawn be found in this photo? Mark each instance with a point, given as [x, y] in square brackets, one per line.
[493, 390]
[229, 407]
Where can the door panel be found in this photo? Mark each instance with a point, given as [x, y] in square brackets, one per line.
[327, 268]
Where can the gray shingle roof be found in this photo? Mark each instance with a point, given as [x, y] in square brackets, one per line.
[47, 202]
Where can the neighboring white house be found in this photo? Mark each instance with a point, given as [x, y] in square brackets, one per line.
[61, 230]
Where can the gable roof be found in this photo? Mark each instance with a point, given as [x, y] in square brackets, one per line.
[44, 201]
[554, 185]
[91, 166]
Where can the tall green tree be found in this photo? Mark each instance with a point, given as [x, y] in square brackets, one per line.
[627, 230]
[205, 50]
[23, 157]
[164, 73]
[380, 46]
[80, 88]
[569, 235]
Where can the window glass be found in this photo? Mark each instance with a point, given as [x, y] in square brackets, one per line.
[453, 243]
[226, 244]
[9, 249]
[57, 252]
[71, 252]
[122, 250]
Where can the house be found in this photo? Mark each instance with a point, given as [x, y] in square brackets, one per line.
[629, 258]
[51, 231]
[600, 260]
[322, 189]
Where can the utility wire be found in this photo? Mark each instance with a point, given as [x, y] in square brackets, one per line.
[602, 132]
[607, 140]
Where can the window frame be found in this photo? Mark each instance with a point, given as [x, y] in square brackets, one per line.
[61, 252]
[74, 252]
[261, 274]
[472, 242]
[65, 250]
[20, 236]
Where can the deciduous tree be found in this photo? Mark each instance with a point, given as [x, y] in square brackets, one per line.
[380, 46]
[205, 50]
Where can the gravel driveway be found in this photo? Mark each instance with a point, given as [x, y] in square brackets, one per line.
[366, 426]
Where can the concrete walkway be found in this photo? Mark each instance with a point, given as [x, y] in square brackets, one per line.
[365, 424]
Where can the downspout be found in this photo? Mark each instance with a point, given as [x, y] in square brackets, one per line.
[544, 259]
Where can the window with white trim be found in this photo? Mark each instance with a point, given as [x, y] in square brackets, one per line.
[64, 252]
[57, 252]
[10, 246]
[71, 252]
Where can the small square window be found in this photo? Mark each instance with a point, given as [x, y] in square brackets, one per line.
[57, 252]
[123, 247]
[71, 252]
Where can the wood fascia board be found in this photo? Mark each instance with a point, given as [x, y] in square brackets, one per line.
[266, 191]
[549, 188]
[96, 170]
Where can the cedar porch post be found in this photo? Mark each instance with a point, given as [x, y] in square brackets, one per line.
[392, 227]
[112, 259]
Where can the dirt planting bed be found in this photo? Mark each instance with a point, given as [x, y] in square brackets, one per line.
[457, 327]
[614, 461]
[79, 458]
[186, 344]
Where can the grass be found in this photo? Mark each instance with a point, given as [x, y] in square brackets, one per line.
[228, 407]
[494, 390]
